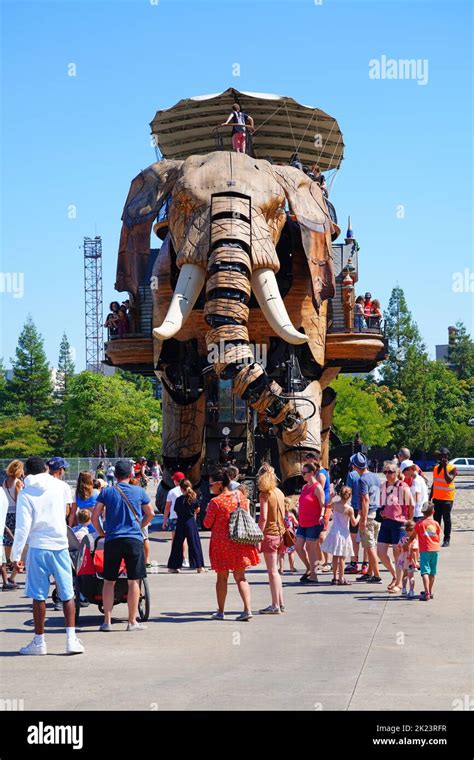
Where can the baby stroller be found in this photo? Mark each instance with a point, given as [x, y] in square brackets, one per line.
[87, 560]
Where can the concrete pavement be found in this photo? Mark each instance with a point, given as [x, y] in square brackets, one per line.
[336, 648]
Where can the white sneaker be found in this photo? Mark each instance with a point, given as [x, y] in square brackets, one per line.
[33, 648]
[185, 562]
[74, 646]
[136, 627]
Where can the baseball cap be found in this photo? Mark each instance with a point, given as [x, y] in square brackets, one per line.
[368, 295]
[443, 451]
[406, 464]
[179, 476]
[58, 463]
[359, 460]
[123, 468]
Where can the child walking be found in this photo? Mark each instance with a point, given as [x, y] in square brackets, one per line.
[338, 541]
[291, 523]
[428, 533]
[407, 561]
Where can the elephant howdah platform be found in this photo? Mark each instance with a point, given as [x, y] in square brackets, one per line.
[245, 312]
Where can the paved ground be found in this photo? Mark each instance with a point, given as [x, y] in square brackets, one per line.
[352, 648]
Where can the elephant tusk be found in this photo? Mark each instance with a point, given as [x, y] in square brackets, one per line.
[190, 282]
[267, 293]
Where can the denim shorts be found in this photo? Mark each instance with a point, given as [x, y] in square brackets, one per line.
[428, 563]
[391, 532]
[310, 534]
[171, 524]
[41, 564]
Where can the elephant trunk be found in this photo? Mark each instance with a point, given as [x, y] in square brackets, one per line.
[228, 292]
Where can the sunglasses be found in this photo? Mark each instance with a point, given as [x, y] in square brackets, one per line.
[389, 472]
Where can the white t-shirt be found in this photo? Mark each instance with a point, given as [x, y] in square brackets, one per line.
[173, 494]
[420, 494]
[68, 497]
[40, 515]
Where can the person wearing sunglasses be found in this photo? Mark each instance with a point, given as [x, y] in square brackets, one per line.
[311, 514]
[397, 506]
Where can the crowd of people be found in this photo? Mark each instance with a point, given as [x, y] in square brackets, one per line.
[395, 523]
[118, 319]
[367, 313]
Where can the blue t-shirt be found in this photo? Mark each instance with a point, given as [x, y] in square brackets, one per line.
[86, 503]
[326, 485]
[353, 482]
[370, 484]
[120, 522]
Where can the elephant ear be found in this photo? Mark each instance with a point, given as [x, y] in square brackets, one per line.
[307, 204]
[147, 194]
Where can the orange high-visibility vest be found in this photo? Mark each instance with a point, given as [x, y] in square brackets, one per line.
[442, 490]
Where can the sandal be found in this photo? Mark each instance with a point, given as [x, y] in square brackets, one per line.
[304, 577]
[394, 590]
[326, 568]
[392, 583]
[334, 582]
[344, 583]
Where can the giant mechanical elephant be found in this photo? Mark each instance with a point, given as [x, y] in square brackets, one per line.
[227, 212]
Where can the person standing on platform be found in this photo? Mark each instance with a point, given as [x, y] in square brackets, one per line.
[443, 492]
[239, 119]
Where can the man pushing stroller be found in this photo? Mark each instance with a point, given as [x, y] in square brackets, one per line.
[128, 512]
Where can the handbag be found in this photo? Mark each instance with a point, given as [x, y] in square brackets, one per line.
[289, 535]
[243, 529]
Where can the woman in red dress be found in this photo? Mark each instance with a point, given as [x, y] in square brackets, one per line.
[227, 555]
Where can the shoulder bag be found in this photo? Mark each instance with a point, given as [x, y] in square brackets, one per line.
[242, 527]
[132, 508]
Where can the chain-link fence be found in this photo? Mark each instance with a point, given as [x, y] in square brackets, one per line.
[77, 465]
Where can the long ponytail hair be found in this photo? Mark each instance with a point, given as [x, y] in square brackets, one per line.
[187, 489]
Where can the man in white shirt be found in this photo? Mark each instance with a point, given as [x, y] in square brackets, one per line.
[418, 487]
[57, 468]
[40, 520]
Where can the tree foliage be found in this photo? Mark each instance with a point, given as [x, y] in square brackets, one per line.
[22, 436]
[110, 411]
[359, 411]
[461, 353]
[30, 390]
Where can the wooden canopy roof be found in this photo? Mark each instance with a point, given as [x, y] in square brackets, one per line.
[282, 127]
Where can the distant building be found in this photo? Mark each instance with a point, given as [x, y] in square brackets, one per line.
[442, 350]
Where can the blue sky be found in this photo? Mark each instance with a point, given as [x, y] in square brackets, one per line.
[80, 140]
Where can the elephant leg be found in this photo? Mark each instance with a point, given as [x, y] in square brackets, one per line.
[183, 435]
[327, 411]
[291, 454]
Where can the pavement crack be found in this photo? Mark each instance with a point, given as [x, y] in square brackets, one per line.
[366, 655]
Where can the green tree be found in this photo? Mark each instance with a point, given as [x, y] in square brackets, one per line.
[64, 374]
[110, 411]
[358, 410]
[402, 334]
[31, 389]
[461, 353]
[21, 437]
